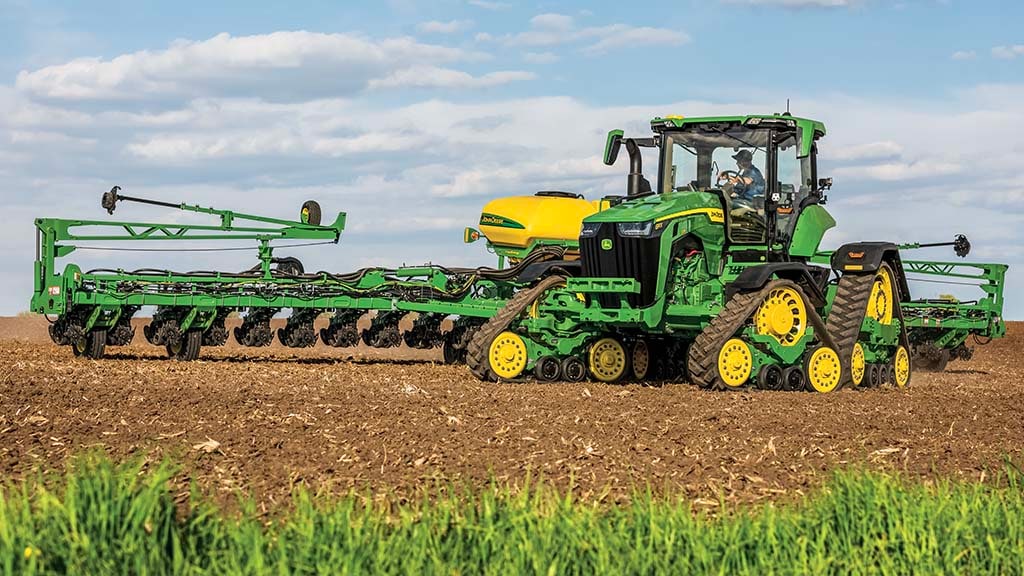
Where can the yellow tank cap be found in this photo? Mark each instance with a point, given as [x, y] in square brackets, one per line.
[519, 221]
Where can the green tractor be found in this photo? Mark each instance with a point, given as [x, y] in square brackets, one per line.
[715, 273]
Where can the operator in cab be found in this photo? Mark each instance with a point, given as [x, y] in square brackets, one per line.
[748, 181]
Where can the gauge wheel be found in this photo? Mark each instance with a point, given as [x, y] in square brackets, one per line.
[187, 347]
[310, 213]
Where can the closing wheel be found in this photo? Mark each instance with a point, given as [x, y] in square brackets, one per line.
[310, 213]
[782, 315]
[548, 369]
[507, 355]
[641, 359]
[607, 360]
[901, 368]
[735, 363]
[857, 365]
[880, 302]
[770, 377]
[573, 369]
[823, 370]
[793, 379]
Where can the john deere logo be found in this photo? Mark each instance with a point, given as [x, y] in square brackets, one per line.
[499, 221]
[606, 244]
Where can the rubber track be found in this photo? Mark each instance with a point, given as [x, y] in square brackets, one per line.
[847, 316]
[703, 359]
[480, 344]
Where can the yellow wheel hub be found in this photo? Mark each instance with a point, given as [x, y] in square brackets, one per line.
[901, 367]
[880, 303]
[735, 363]
[507, 355]
[857, 365]
[823, 369]
[782, 315]
[607, 360]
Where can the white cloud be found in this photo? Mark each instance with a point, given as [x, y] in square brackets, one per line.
[553, 29]
[420, 170]
[489, 4]
[869, 151]
[796, 3]
[900, 171]
[540, 57]
[449, 27]
[620, 35]
[1008, 52]
[434, 77]
[964, 55]
[280, 65]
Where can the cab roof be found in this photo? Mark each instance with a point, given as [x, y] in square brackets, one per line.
[810, 129]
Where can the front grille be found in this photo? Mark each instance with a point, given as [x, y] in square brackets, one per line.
[629, 258]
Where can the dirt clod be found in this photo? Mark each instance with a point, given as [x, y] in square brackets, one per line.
[265, 420]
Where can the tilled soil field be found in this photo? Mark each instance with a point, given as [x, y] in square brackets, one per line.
[266, 420]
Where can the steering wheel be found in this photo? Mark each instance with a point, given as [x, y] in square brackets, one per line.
[726, 175]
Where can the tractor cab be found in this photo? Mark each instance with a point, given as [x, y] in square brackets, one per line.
[762, 168]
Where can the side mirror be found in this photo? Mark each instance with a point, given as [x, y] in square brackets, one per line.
[824, 183]
[611, 146]
[469, 235]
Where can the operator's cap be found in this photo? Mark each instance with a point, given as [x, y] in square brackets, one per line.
[743, 155]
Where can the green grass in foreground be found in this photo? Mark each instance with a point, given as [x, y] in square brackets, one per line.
[105, 519]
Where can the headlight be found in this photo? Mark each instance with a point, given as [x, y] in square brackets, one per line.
[590, 229]
[635, 229]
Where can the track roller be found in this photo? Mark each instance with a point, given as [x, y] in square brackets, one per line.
[874, 376]
[793, 379]
[770, 377]
[607, 360]
[547, 369]
[640, 360]
[573, 369]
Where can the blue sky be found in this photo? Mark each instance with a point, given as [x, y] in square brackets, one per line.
[409, 115]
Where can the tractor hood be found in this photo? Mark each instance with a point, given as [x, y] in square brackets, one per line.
[662, 207]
